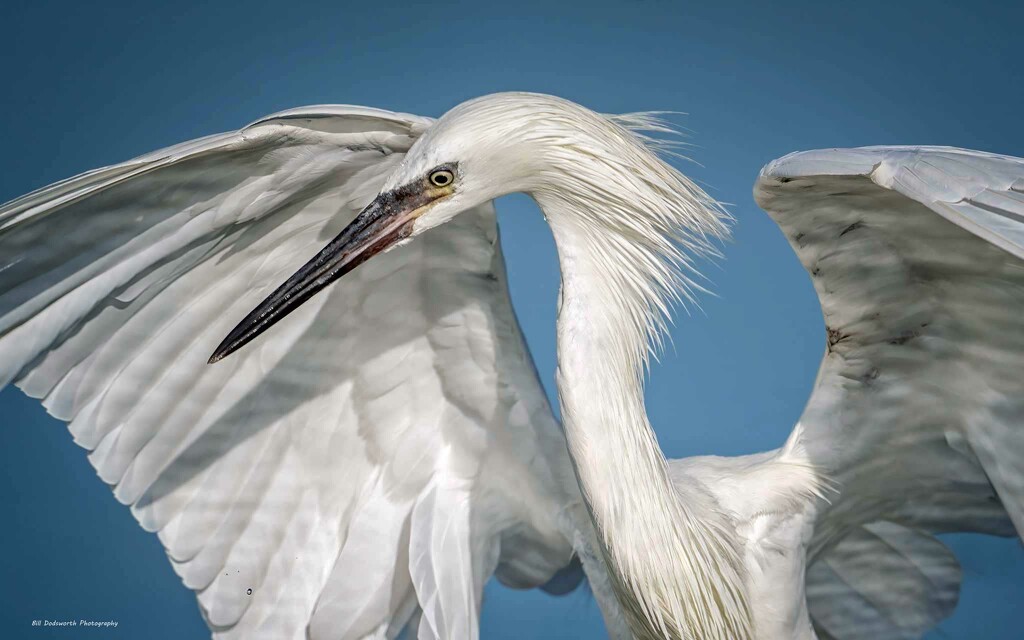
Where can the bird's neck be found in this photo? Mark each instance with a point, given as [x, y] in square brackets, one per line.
[673, 565]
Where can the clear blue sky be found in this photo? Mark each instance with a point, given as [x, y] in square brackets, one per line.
[88, 84]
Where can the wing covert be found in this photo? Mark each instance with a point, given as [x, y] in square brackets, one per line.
[917, 414]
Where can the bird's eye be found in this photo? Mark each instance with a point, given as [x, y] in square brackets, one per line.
[441, 178]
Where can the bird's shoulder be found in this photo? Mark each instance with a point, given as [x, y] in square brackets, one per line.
[771, 496]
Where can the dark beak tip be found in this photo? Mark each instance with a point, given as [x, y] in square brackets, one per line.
[217, 356]
[223, 350]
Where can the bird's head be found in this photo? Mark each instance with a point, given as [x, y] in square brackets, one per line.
[489, 147]
[478, 151]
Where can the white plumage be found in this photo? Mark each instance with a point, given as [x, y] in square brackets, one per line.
[388, 451]
[384, 449]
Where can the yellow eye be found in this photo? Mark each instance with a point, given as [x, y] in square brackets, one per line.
[441, 178]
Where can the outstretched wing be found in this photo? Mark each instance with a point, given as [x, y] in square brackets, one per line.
[372, 462]
[917, 256]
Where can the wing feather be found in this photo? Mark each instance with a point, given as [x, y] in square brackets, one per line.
[342, 475]
[883, 581]
[918, 411]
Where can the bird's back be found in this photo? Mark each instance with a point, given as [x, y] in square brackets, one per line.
[771, 499]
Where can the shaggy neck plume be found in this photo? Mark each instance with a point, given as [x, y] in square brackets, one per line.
[675, 573]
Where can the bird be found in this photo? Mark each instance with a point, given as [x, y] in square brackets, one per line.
[365, 466]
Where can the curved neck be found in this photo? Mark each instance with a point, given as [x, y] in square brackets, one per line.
[673, 563]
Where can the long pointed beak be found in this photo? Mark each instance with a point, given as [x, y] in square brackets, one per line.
[380, 225]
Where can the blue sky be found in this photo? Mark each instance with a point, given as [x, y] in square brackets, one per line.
[88, 84]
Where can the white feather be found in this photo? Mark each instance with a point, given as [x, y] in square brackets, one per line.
[308, 468]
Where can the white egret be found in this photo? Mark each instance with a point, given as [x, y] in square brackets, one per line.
[370, 466]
